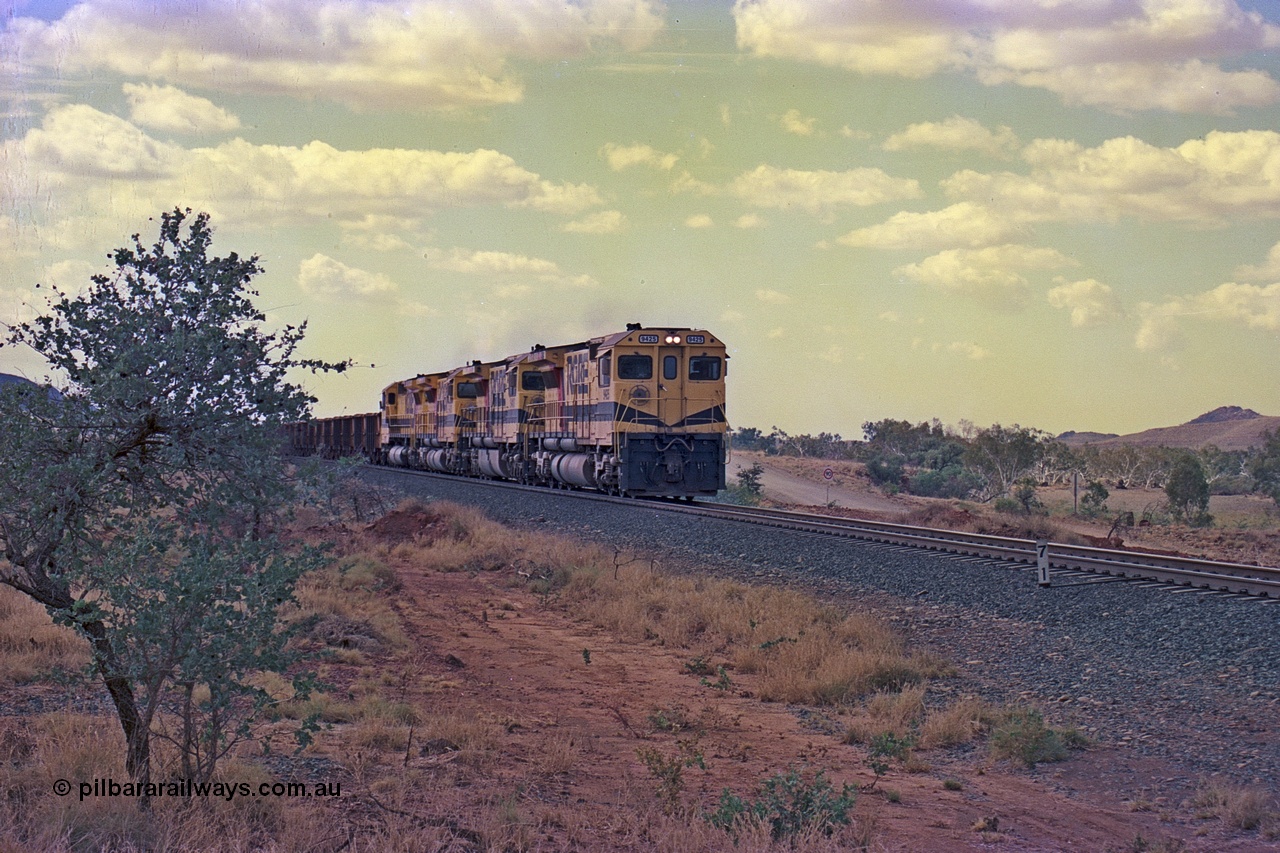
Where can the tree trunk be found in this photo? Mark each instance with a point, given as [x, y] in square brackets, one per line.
[137, 733]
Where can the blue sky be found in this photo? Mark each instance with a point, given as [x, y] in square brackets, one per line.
[1064, 214]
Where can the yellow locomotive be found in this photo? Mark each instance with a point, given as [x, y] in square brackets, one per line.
[639, 412]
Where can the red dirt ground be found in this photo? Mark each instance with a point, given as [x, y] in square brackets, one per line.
[523, 663]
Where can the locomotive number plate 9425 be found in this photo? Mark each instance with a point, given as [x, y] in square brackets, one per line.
[648, 339]
[695, 339]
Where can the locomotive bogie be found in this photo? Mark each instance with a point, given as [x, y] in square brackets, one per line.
[641, 412]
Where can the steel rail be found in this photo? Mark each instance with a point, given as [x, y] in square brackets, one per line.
[1182, 571]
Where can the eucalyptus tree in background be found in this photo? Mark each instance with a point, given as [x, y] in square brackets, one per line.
[1188, 490]
[141, 508]
[1264, 465]
[1003, 455]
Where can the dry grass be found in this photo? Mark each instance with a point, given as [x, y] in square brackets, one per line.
[31, 645]
[463, 539]
[797, 649]
[898, 714]
[1237, 806]
[81, 749]
[957, 723]
[401, 751]
[349, 606]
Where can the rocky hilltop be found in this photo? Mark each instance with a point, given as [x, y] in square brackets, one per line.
[1225, 414]
[1226, 427]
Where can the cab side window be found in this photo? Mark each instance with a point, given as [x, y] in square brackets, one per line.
[635, 367]
[704, 368]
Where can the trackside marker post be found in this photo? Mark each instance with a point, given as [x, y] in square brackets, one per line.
[1042, 561]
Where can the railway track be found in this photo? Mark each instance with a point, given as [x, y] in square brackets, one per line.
[1050, 558]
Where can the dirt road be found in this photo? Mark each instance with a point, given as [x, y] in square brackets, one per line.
[787, 488]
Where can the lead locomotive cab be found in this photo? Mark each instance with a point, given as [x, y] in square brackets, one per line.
[665, 391]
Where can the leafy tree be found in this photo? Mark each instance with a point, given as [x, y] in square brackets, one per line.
[141, 508]
[751, 438]
[1003, 455]
[1024, 492]
[951, 481]
[885, 469]
[1188, 490]
[749, 479]
[1127, 466]
[1264, 466]
[1094, 501]
[926, 444]
[1226, 470]
[1056, 464]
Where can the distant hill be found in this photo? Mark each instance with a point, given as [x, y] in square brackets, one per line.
[10, 379]
[1079, 439]
[1227, 427]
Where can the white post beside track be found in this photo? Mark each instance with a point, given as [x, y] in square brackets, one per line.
[1042, 561]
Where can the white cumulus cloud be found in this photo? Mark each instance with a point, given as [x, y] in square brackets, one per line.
[168, 108]
[1249, 305]
[601, 222]
[992, 275]
[1090, 301]
[963, 224]
[417, 54]
[821, 191]
[1122, 56]
[1225, 175]
[793, 121]
[77, 146]
[76, 139]
[969, 350]
[332, 280]
[1268, 270]
[511, 268]
[621, 157]
[955, 134]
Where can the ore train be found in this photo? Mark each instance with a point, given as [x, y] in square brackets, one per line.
[638, 413]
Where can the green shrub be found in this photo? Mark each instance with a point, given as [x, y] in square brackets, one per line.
[789, 805]
[953, 481]
[1008, 505]
[886, 746]
[885, 469]
[1094, 501]
[1023, 735]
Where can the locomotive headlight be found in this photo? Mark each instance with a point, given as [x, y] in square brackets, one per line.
[673, 339]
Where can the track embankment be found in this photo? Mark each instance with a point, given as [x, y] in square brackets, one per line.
[1185, 678]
